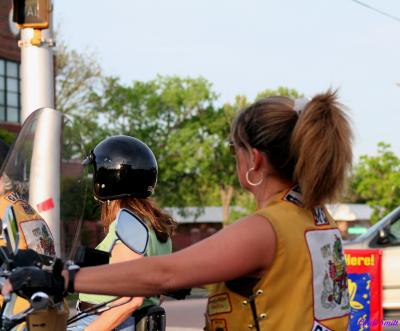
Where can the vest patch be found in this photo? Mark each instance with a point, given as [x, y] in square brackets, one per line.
[27, 209]
[319, 327]
[320, 217]
[13, 197]
[294, 196]
[218, 325]
[331, 298]
[38, 237]
[219, 304]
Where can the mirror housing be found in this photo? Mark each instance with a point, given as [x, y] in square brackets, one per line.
[383, 236]
[132, 231]
[39, 300]
[10, 230]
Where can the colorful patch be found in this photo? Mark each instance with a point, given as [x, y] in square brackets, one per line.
[219, 304]
[319, 327]
[38, 237]
[360, 301]
[320, 217]
[27, 209]
[13, 197]
[294, 196]
[219, 325]
[331, 298]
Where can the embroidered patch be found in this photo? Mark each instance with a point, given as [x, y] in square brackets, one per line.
[319, 327]
[28, 209]
[38, 237]
[219, 304]
[320, 217]
[294, 196]
[13, 197]
[219, 325]
[331, 298]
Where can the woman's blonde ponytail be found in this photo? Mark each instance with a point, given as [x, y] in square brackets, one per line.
[321, 145]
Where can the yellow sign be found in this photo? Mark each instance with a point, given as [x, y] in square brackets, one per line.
[360, 260]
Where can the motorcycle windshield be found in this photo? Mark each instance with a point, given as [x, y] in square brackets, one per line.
[16, 170]
[42, 169]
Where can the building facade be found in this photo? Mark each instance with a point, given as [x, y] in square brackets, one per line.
[10, 62]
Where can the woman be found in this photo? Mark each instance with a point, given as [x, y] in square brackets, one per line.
[282, 267]
[124, 176]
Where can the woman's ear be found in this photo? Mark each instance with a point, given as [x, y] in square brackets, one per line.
[257, 157]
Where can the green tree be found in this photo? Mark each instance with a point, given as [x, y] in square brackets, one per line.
[7, 137]
[376, 179]
[78, 78]
[178, 118]
[164, 113]
[219, 166]
[280, 91]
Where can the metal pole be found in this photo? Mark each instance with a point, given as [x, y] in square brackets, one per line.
[37, 91]
[44, 186]
[37, 74]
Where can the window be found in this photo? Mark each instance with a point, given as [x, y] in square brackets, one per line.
[395, 230]
[10, 93]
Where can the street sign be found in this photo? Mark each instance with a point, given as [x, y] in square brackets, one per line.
[31, 13]
[364, 269]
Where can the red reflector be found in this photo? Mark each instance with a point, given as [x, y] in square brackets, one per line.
[45, 205]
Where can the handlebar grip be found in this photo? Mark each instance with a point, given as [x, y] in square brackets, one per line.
[7, 297]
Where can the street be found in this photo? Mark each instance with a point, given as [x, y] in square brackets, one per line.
[185, 315]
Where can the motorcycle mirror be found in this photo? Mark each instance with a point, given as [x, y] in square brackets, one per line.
[39, 300]
[10, 230]
[132, 231]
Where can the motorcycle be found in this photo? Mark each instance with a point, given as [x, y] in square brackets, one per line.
[47, 312]
[24, 161]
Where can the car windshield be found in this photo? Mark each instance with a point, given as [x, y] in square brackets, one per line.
[378, 225]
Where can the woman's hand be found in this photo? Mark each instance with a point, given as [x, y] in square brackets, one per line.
[29, 280]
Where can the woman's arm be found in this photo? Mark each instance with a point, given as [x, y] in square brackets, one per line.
[110, 319]
[245, 247]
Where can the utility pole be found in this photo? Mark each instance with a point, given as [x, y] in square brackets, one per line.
[34, 18]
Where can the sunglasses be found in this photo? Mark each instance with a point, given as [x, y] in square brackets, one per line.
[232, 148]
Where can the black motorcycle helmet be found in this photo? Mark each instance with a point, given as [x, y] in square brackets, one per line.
[123, 166]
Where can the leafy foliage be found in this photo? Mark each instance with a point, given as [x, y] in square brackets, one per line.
[7, 137]
[165, 113]
[78, 77]
[280, 91]
[377, 180]
[178, 118]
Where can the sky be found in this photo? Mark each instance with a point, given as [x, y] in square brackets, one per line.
[246, 46]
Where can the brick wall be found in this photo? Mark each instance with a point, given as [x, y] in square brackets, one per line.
[9, 49]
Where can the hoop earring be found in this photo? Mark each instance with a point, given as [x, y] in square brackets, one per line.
[249, 181]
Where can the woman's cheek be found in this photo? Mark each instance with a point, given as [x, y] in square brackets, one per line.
[241, 174]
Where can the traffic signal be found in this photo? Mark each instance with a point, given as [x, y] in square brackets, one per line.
[31, 13]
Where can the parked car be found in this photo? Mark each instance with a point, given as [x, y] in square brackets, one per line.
[385, 235]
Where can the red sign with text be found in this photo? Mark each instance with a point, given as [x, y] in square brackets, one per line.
[364, 269]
